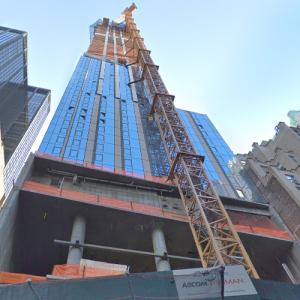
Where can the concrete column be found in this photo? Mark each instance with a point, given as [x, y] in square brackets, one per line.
[159, 247]
[78, 234]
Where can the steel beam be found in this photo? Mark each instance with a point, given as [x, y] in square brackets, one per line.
[122, 250]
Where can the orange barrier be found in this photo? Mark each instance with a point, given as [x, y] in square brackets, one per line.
[12, 278]
[148, 209]
[272, 232]
[257, 224]
[281, 234]
[243, 222]
[102, 200]
[78, 271]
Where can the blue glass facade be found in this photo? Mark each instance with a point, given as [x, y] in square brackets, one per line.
[103, 120]
[214, 140]
[82, 110]
[7, 36]
[155, 148]
[209, 167]
[19, 103]
[199, 125]
[12, 60]
[131, 142]
[69, 131]
[218, 156]
[105, 150]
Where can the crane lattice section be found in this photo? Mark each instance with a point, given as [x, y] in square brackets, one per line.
[215, 237]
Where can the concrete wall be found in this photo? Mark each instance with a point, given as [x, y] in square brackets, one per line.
[293, 261]
[148, 197]
[277, 196]
[274, 167]
[8, 216]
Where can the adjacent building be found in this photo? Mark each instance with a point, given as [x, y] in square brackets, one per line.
[23, 108]
[274, 168]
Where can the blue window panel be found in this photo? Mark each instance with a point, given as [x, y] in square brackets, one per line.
[43, 146]
[215, 141]
[49, 148]
[80, 155]
[198, 147]
[81, 123]
[108, 160]
[73, 153]
[56, 150]
[60, 140]
[6, 36]
[105, 130]
[130, 137]
[109, 148]
[62, 117]
[99, 157]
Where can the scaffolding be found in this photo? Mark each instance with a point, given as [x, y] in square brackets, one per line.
[216, 239]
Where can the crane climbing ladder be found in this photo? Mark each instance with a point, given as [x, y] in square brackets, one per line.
[215, 237]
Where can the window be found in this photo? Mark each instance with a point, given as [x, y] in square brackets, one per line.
[240, 193]
[292, 157]
[290, 177]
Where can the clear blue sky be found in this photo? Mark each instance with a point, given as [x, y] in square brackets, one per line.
[237, 61]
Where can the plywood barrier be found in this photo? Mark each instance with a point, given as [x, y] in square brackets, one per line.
[12, 278]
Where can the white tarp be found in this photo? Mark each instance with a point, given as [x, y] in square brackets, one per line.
[206, 283]
[103, 265]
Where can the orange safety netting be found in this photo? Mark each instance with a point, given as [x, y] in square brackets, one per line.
[12, 278]
[78, 271]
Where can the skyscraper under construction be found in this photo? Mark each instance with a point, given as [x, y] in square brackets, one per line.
[125, 183]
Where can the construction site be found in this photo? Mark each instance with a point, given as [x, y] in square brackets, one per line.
[120, 195]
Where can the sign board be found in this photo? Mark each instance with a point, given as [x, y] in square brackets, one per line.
[198, 283]
[206, 283]
[237, 282]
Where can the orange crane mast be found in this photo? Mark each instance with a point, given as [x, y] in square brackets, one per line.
[215, 237]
